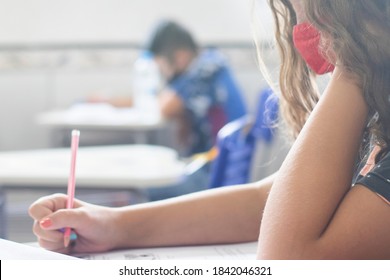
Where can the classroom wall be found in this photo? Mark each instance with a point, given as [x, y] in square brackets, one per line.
[34, 79]
[129, 20]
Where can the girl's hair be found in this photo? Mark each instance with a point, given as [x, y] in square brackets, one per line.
[296, 80]
[356, 35]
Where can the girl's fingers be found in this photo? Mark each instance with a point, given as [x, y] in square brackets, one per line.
[47, 205]
[53, 246]
[49, 235]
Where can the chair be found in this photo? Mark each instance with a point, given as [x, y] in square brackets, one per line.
[266, 115]
[236, 143]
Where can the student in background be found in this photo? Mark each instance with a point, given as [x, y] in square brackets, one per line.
[200, 93]
[314, 207]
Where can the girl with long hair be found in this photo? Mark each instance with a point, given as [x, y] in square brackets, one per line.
[322, 203]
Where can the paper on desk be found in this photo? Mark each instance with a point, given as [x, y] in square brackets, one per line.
[10, 250]
[105, 113]
[241, 251]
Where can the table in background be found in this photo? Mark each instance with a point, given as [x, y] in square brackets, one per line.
[140, 125]
[122, 167]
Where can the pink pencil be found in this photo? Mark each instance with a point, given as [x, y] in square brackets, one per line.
[72, 181]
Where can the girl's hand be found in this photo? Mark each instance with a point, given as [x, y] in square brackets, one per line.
[95, 226]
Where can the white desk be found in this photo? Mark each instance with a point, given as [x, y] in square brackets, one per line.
[10, 250]
[103, 117]
[238, 251]
[119, 166]
[106, 167]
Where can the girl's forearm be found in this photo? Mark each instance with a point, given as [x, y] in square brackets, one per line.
[224, 215]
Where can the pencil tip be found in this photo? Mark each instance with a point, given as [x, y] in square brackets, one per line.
[66, 241]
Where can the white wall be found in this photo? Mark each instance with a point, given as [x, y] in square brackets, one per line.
[124, 20]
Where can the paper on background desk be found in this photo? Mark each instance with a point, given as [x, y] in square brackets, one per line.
[10, 250]
[99, 113]
[241, 251]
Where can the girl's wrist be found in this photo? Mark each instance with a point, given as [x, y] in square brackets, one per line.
[119, 226]
[129, 230]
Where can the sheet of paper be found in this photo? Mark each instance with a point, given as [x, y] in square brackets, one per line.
[10, 250]
[241, 251]
[105, 113]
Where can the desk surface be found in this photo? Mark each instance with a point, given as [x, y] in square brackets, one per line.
[239, 251]
[104, 166]
[102, 116]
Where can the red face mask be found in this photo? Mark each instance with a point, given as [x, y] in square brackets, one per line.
[306, 40]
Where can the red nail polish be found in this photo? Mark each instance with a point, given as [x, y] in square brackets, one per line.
[46, 222]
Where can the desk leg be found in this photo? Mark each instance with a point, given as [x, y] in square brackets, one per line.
[3, 214]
